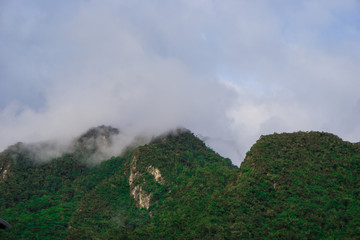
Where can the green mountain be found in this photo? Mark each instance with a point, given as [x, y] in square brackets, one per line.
[290, 186]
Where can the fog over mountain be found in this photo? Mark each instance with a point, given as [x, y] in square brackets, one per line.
[228, 70]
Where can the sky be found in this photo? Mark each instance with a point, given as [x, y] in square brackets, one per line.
[230, 71]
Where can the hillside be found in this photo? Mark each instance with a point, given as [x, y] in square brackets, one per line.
[294, 186]
[290, 186]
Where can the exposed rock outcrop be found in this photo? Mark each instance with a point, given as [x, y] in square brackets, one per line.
[141, 196]
[156, 173]
[4, 171]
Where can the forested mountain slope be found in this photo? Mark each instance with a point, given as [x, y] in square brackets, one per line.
[294, 186]
[290, 186]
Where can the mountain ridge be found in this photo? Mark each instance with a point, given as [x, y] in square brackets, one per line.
[290, 185]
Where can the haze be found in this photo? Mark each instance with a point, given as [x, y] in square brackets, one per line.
[229, 71]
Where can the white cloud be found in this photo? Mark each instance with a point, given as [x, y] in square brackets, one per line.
[231, 70]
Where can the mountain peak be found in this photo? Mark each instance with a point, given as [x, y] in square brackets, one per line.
[290, 185]
[97, 137]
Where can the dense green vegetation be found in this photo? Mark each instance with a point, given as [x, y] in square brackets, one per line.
[295, 186]
[290, 186]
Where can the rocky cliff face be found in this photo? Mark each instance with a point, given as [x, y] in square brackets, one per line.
[4, 171]
[6, 159]
[141, 196]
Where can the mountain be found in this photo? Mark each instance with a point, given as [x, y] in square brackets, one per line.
[294, 186]
[290, 186]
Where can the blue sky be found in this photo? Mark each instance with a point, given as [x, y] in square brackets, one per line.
[228, 70]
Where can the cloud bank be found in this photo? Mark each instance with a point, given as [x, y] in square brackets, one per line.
[228, 70]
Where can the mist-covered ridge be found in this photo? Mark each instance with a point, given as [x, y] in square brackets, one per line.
[302, 185]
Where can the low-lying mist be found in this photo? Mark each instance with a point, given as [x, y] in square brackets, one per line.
[94, 146]
[229, 71]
